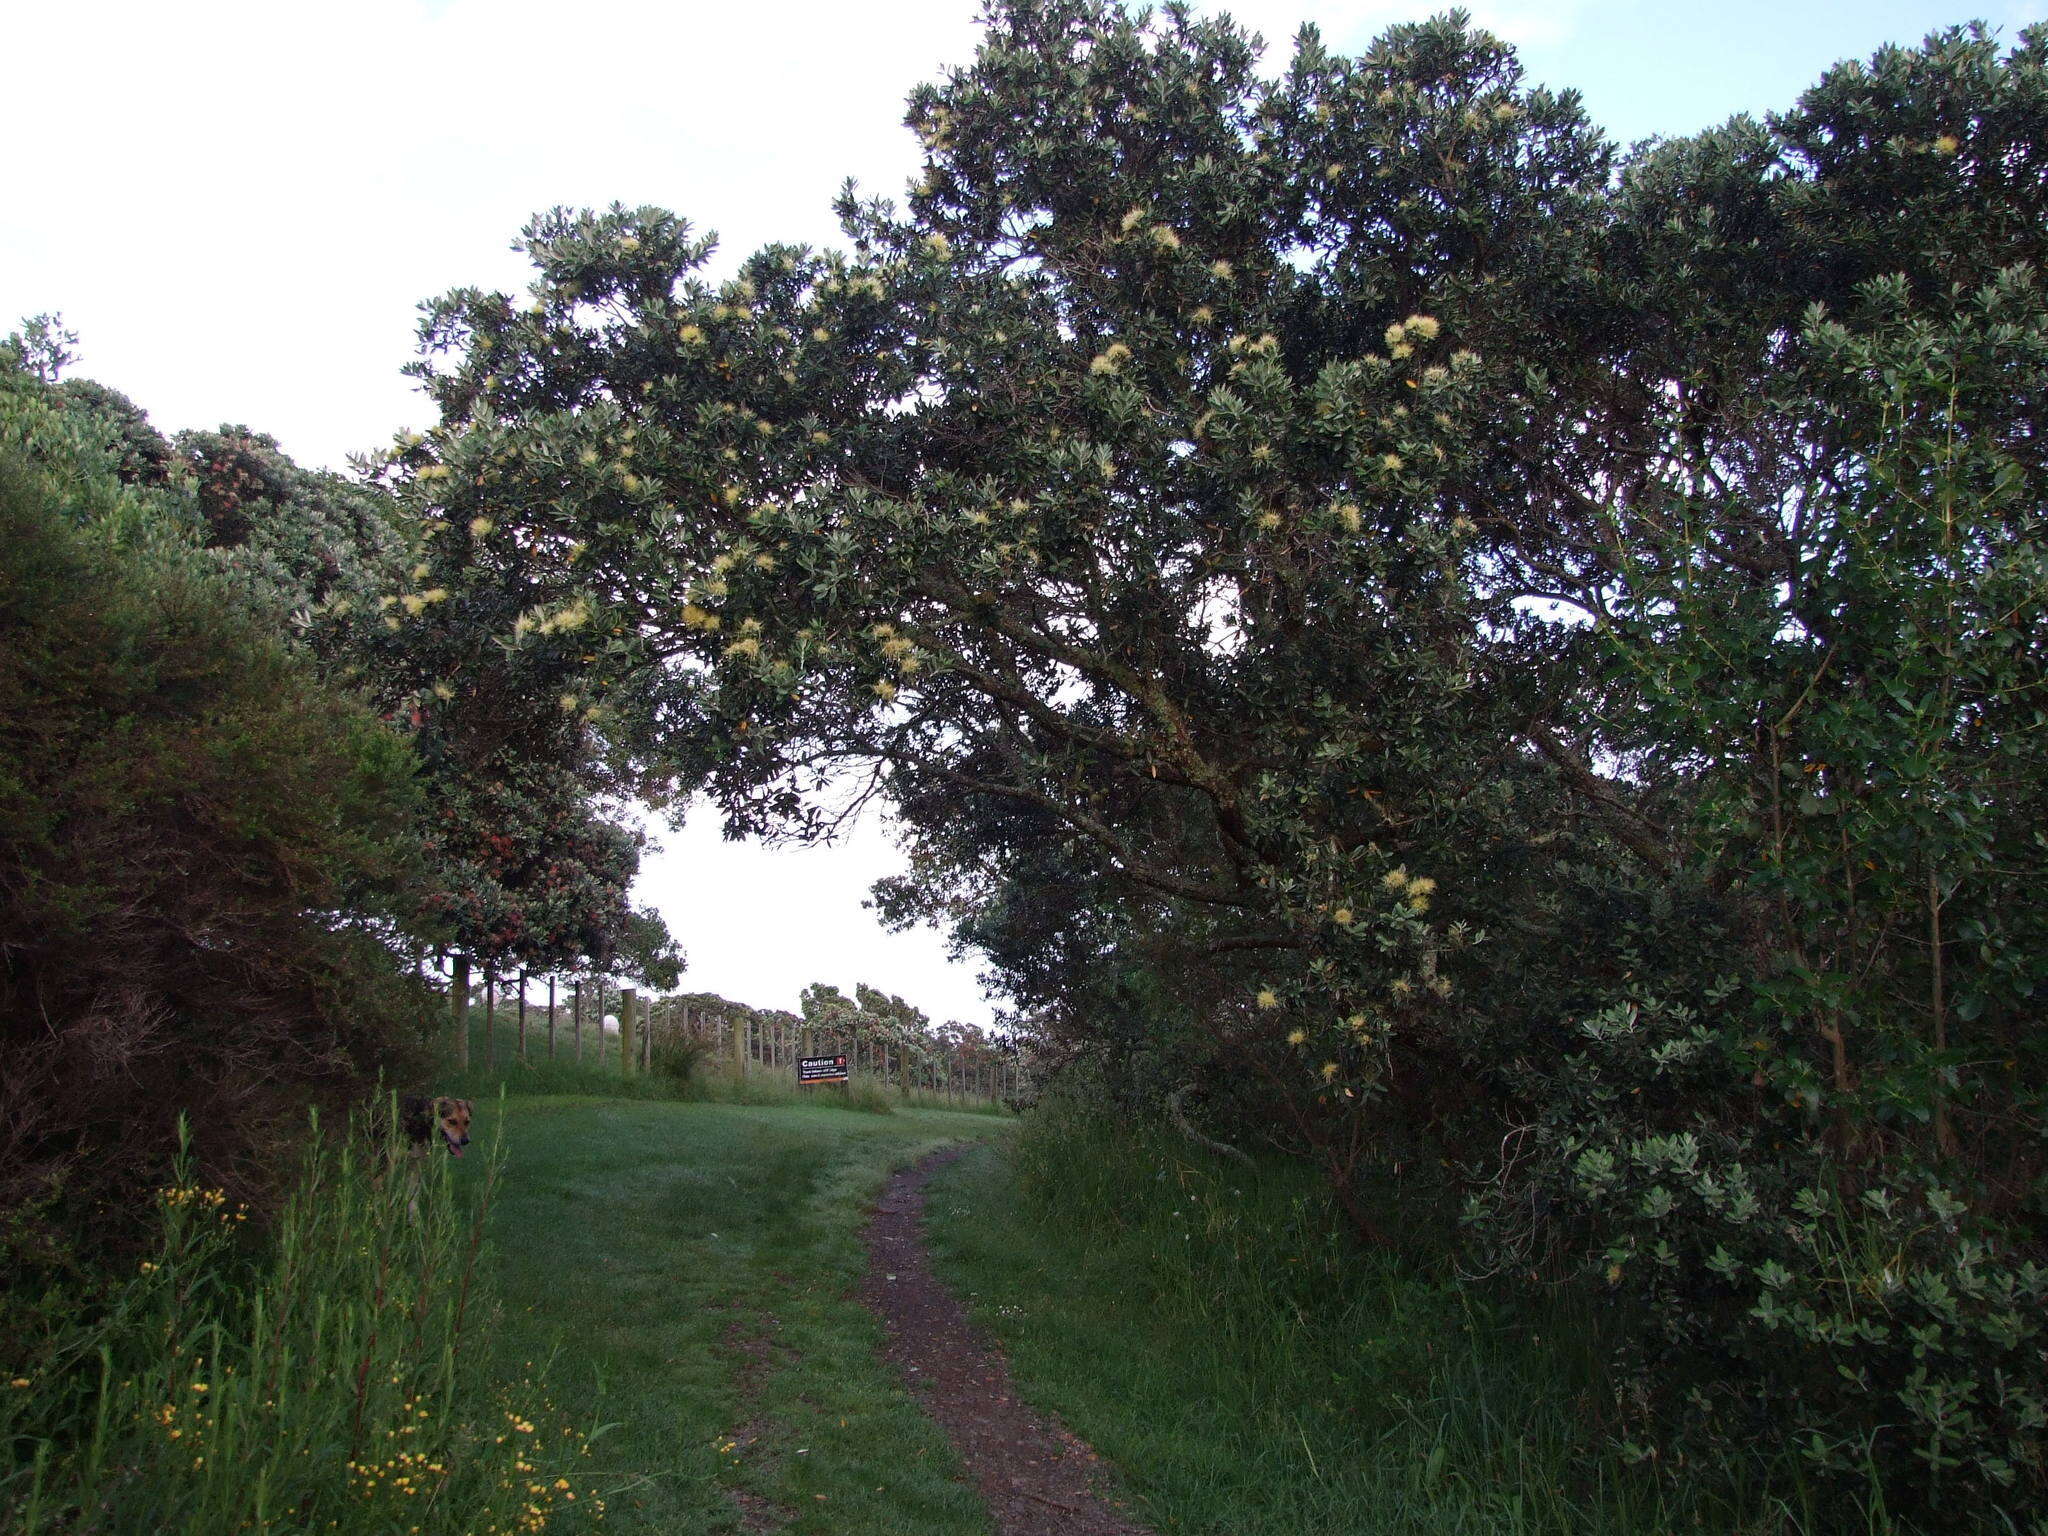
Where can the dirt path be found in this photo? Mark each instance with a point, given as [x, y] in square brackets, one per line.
[1036, 1479]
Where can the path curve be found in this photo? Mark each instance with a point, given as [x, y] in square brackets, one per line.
[1036, 1478]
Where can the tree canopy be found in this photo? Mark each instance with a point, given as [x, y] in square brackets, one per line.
[1380, 609]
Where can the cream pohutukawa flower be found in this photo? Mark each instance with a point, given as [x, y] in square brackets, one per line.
[1268, 998]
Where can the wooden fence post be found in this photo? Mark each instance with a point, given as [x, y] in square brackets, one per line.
[458, 1010]
[576, 1015]
[551, 1017]
[522, 1015]
[628, 999]
[739, 1049]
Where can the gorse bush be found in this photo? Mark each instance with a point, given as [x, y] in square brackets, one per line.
[206, 856]
[338, 1382]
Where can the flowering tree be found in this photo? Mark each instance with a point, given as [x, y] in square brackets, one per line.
[1352, 590]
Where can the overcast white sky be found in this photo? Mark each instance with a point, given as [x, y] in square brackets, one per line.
[238, 204]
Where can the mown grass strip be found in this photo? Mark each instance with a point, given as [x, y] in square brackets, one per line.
[685, 1273]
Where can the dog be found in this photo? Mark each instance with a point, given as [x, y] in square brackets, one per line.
[422, 1118]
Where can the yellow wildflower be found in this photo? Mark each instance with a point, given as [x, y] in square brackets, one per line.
[1268, 998]
[1297, 1036]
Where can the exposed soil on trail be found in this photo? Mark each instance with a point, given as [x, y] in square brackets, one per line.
[1036, 1479]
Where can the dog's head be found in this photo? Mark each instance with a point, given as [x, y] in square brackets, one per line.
[451, 1119]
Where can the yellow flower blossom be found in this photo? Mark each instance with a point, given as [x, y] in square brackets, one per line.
[1329, 1071]
[1165, 238]
[1297, 1036]
[690, 335]
[885, 690]
[1110, 359]
[1350, 517]
[479, 526]
[1268, 998]
[1222, 269]
[1342, 915]
[1393, 461]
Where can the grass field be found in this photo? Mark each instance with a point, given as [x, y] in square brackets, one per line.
[674, 1281]
[682, 1273]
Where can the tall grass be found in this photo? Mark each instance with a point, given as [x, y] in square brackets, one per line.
[335, 1379]
[1214, 1330]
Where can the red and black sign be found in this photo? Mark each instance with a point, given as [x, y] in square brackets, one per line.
[820, 1069]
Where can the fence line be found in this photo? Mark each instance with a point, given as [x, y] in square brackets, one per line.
[740, 1042]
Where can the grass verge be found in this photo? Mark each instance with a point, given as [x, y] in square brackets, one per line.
[1209, 1330]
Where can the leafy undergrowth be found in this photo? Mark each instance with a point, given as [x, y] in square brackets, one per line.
[683, 1272]
[1208, 1330]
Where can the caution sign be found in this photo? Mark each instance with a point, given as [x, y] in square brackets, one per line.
[820, 1069]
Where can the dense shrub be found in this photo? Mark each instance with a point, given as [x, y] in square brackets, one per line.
[201, 858]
